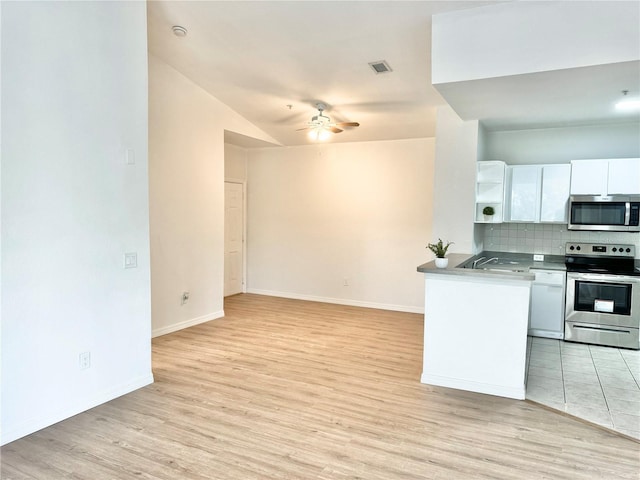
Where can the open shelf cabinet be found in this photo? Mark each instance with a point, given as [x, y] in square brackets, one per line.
[490, 176]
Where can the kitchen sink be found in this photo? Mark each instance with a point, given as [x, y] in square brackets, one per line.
[496, 263]
[498, 269]
[500, 261]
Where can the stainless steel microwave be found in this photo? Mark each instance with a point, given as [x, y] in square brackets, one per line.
[614, 213]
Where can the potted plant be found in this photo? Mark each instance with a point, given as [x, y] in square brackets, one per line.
[440, 250]
[488, 212]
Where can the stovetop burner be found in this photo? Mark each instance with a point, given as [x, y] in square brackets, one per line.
[611, 259]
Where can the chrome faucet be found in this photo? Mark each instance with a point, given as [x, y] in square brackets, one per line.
[475, 262]
[485, 262]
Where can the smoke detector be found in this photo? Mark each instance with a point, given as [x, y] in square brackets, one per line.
[179, 31]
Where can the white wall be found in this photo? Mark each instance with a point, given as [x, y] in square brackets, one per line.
[361, 211]
[235, 162]
[561, 145]
[457, 144]
[74, 98]
[583, 29]
[186, 190]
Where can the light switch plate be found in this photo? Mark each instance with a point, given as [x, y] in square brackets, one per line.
[538, 258]
[130, 155]
[130, 260]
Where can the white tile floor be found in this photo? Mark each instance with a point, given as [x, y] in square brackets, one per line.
[598, 384]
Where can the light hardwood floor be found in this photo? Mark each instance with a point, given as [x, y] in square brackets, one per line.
[289, 389]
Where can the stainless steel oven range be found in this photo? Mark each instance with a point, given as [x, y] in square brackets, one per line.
[603, 295]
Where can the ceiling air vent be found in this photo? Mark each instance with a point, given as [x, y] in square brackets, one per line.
[380, 67]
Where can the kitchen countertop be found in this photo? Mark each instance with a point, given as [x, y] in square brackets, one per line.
[455, 259]
[524, 262]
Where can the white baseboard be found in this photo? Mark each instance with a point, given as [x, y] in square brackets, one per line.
[338, 301]
[536, 332]
[73, 408]
[461, 384]
[187, 323]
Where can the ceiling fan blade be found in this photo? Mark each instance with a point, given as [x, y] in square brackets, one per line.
[305, 128]
[347, 124]
[334, 129]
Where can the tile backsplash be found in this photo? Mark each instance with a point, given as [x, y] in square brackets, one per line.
[548, 239]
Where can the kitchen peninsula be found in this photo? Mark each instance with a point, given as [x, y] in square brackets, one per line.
[475, 328]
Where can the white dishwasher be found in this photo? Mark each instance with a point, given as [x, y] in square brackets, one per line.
[546, 317]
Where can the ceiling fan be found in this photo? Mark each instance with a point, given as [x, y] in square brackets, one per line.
[320, 125]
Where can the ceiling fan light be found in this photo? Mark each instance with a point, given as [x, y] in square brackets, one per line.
[319, 134]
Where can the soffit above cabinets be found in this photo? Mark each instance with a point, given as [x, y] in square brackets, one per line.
[571, 97]
[539, 64]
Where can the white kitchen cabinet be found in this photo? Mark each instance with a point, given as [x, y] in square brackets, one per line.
[605, 176]
[537, 193]
[546, 317]
[490, 177]
[624, 176]
[523, 193]
[554, 200]
[589, 177]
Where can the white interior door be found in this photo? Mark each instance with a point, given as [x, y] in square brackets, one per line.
[233, 238]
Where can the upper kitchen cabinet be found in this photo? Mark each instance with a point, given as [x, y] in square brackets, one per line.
[605, 176]
[537, 193]
[624, 176]
[523, 193]
[589, 177]
[489, 190]
[554, 200]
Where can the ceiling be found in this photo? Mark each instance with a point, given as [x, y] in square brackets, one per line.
[272, 61]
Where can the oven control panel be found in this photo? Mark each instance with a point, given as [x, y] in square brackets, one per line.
[600, 249]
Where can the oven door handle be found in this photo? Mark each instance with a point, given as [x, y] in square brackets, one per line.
[601, 329]
[602, 277]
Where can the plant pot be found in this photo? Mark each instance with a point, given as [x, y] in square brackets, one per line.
[488, 218]
[442, 262]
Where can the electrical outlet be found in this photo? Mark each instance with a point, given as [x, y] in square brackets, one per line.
[84, 360]
[538, 258]
[185, 298]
